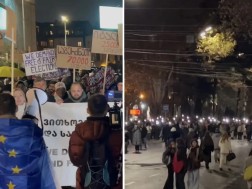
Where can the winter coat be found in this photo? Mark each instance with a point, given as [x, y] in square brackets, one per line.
[216, 139]
[170, 153]
[70, 99]
[240, 128]
[191, 135]
[193, 159]
[143, 132]
[225, 147]
[136, 140]
[206, 147]
[94, 128]
[166, 133]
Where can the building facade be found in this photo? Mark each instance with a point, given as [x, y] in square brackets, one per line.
[51, 34]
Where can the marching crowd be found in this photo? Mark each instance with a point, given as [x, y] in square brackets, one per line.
[190, 144]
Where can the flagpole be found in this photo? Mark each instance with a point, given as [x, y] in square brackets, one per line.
[105, 74]
[12, 61]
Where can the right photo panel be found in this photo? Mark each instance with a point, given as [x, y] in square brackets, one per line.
[188, 107]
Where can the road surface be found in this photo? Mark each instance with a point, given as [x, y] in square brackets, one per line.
[146, 171]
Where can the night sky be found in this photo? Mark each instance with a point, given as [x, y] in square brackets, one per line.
[51, 10]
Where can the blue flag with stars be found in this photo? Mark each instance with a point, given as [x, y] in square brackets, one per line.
[24, 161]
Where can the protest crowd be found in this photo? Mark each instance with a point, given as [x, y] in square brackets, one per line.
[190, 143]
[102, 171]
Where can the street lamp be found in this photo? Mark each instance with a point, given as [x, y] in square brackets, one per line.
[141, 96]
[206, 31]
[65, 20]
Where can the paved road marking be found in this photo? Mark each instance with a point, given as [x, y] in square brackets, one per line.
[130, 183]
[154, 175]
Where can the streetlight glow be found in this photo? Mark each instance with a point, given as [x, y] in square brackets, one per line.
[203, 34]
[209, 28]
[141, 96]
[143, 106]
[64, 19]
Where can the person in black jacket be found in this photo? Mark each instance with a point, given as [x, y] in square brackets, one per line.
[181, 156]
[144, 137]
[167, 160]
[206, 147]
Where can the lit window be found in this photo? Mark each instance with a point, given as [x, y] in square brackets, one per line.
[51, 33]
[52, 25]
[51, 43]
[67, 32]
[79, 44]
[43, 43]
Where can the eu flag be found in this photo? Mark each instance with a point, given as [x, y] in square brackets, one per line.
[24, 161]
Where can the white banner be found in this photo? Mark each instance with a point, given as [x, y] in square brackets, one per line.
[105, 42]
[39, 62]
[73, 57]
[59, 122]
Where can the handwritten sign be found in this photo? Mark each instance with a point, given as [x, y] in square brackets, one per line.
[39, 62]
[105, 42]
[73, 57]
[59, 123]
[94, 83]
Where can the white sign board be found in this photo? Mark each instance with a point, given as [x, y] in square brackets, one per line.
[59, 122]
[73, 57]
[105, 42]
[39, 62]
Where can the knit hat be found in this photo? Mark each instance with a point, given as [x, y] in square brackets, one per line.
[60, 85]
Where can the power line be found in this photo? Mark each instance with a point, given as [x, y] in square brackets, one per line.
[196, 69]
[199, 74]
[161, 53]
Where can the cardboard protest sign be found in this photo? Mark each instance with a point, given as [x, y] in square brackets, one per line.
[106, 42]
[39, 62]
[73, 57]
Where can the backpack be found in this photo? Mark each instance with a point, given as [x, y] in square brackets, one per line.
[177, 165]
[98, 170]
[166, 159]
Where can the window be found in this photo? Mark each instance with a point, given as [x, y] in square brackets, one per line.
[51, 25]
[43, 43]
[51, 33]
[79, 44]
[51, 43]
[67, 32]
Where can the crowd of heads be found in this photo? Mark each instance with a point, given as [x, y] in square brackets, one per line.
[59, 91]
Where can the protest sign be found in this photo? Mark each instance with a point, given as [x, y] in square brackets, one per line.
[73, 57]
[106, 42]
[94, 83]
[61, 72]
[59, 122]
[39, 62]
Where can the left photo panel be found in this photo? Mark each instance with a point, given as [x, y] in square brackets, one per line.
[61, 94]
